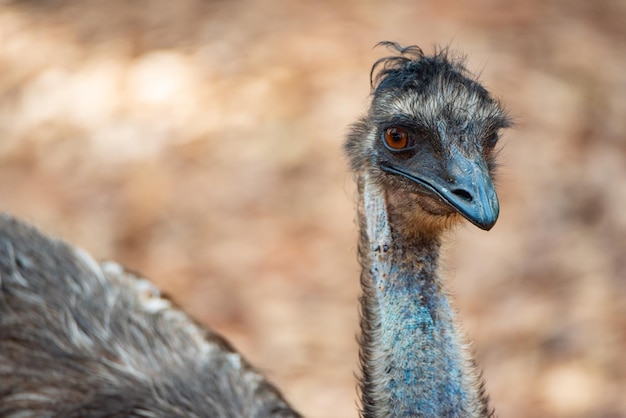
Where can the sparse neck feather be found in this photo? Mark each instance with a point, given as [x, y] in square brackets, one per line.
[414, 364]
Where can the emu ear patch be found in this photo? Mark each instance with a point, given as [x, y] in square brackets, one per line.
[375, 206]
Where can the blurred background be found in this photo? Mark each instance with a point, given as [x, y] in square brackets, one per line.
[199, 142]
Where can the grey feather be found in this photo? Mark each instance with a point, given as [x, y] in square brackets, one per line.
[83, 339]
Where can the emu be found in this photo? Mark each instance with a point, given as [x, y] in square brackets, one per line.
[85, 339]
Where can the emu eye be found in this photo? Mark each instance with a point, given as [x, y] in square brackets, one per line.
[491, 140]
[396, 139]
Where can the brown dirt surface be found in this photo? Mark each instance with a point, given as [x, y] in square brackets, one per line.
[199, 142]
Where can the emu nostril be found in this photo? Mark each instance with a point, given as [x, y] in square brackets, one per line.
[463, 194]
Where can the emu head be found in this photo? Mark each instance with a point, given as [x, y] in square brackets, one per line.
[429, 141]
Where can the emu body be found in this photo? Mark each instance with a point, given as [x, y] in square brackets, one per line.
[80, 339]
[85, 339]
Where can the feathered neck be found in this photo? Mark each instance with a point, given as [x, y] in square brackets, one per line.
[413, 362]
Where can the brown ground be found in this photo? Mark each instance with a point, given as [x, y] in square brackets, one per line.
[199, 142]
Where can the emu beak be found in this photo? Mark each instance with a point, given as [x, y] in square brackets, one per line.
[466, 187]
[471, 192]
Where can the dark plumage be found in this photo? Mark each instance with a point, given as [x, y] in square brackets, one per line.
[85, 339]
[79, 339]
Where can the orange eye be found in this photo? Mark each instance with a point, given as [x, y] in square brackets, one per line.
[396, 138]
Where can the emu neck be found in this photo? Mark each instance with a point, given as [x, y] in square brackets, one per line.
[414, 363]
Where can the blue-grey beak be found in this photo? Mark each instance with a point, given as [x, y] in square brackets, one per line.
[467, 188]
[472, 193]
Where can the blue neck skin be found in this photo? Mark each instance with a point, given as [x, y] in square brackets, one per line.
[419, 367]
